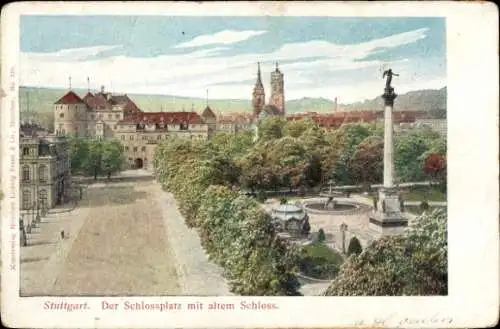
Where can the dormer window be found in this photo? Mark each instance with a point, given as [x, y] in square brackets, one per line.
[61, 115]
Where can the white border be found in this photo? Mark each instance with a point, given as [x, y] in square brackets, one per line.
[472, 75]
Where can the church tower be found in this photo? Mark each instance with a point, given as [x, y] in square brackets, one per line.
[258, 95]
[277, 90]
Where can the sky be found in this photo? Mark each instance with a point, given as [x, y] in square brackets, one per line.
[186, 56]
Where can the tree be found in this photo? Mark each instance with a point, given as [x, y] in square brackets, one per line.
[366, 164]
[354, 247]
[345, 140]
[92, 164]
[414, 263]
[435, 166]
[271, 128]
[409, 148]
[112, 156]
[321, 236]
[78, 152]
[296, 128]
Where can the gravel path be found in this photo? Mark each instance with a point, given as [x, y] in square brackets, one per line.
[121, 249]
[197, 275]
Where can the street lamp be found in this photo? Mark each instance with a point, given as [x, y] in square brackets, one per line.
[33, 218]
[38, 219]
[343, 229]
[23, 239]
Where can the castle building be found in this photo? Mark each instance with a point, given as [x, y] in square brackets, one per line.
[106, 116]
[44, 168]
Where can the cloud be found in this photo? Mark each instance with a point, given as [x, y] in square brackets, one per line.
[74, 54]
[224, 37]
[315, 68]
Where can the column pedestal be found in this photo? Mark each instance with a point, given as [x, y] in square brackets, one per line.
[388, 219]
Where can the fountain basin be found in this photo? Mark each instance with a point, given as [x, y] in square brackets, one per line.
[341, 207]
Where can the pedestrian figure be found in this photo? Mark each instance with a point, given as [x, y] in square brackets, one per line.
[62, 234]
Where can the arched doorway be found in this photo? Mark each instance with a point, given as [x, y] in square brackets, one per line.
[138, 163]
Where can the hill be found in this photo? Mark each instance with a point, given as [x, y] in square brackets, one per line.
[41, 101]
[419, 100]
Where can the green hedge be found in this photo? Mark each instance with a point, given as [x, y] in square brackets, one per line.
[234, 230]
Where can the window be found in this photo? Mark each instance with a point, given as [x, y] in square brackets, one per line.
[100, 116]
[61, 115]
[93, 116]
[26, 173]
[135, 149]
[42, 195]
[26, 151]
[114, 127]
[117, 117]
[126, 148]
[26, 199]
[158, 137]
[131, 137]
[143, 149]
[42, 173]
[123, 137]
[144, 138]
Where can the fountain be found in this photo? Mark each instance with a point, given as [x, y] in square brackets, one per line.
[332, 205]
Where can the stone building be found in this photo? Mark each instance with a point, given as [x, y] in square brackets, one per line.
[45, 177]
[103, 115]
[276, 105]
[277, 97]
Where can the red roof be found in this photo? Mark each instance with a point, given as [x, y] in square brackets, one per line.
[164, 117]
[70, 98]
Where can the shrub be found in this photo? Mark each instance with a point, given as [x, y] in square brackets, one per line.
[319, 261]
[283, 200]
[261, 196]
[354, 247]
[411, 264]
[306, 228]
[321, 236]
[424, 206]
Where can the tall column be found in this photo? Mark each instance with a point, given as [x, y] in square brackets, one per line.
[389, 97]
[387, 217]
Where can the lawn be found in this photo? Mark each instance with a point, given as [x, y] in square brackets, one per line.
[423, 193]
[319, 261]
[417, 211]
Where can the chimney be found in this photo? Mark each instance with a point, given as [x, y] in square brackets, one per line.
[102, 89]
[335, 105]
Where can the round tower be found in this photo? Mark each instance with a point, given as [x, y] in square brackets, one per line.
[70, 115]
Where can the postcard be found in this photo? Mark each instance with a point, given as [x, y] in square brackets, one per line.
[253, 164]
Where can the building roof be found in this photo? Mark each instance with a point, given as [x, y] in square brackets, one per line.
[97, 102]
[164, 117]
[271, 109]
[31, 129]
[106, 101]
[70, 98]
[208, 113]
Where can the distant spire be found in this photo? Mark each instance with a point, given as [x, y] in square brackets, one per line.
[277, 69]
[69, 78]
[207, 98]
[88, 84]
[259, 79]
